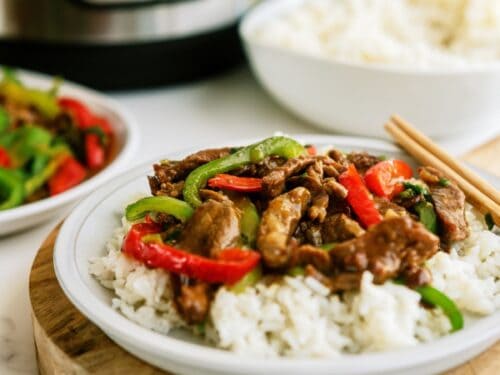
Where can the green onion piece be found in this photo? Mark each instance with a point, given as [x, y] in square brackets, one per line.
[488, 219]
[427, 215]
[168, 205]
[444, 182]
[250, 279]
[11, 189]
[436, 298]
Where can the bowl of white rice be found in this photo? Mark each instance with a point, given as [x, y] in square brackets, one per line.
[293, 327]
[346, 65]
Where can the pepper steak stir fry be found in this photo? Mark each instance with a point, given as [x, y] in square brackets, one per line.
[48, 144]
[234, 216]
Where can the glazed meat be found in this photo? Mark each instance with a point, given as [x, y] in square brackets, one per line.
[192, 299]
[310, 255]
[278, 223]
[449, 202]
[387, 249]
[168, 174]
[214, 226]
[339, 228]
[273, 184]
[362, 160]
[386, 207]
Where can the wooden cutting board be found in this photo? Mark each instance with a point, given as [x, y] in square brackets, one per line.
[68, 343]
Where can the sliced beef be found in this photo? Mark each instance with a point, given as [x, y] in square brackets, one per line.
[342, 282]
[319, 205]
[192, 299]
[362, 160]
[167, 173]
[279, 222]
[310, 255]
[214, 226]
[340, 158]
[273, 184]
[309, 232]
[333, 187]
[339, 228]
[449, 202]
[387, 249]
[386, 207]
[260, 169]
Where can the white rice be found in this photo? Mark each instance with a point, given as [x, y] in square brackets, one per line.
[411, 33]
[298, 317]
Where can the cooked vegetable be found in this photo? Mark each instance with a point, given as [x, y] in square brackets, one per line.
[488, 219]
[279, 146]
[38, 180]
[427, 215]
[11, 189]
[250, 279]
[385, 178]
[359, 197]
[94, 151]
[249, 223]
[235, 183]
[5, 161]
[167, 205]
[4, 120]
[228, 268]
[70, 173]
[436, 298]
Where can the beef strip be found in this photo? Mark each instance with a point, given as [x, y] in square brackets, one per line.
[339, 228]
[260, 169]
[340, 158]
[309, 232]
[214, 226]
[362, 160]
[386, 207]
[387, 249]
[333, 187]
[307, 254]
[449, 202]
[278, 223]
[273, 184]
[341, 282]
[171, 172]
[192, 298]
[319, 205]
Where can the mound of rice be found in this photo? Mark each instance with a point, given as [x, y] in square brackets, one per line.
[414, 33]
[298, 317]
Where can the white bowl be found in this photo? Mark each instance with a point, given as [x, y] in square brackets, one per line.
[87, 229]
[358, 98]
[126, 143]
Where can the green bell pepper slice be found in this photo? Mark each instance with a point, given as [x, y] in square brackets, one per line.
[4, 120]
[250, 279]
[45, 102]
[11, 189]
[427, 216]
[168, 205]
[436, 298]
[249, 224]
[36, 181]
[279, 146]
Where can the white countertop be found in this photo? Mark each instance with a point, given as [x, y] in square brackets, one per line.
[218, 110]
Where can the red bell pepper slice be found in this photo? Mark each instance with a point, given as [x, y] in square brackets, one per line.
[94, 152]
[83, 115]
[359, 197]
[5, 160]
[385, 178]
[69, 174]
[235, 183]
[228, 268]
[312, 150]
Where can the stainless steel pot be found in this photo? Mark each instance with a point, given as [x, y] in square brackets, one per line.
[115, 44]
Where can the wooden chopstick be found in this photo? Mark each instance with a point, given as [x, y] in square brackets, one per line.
[474, 179]
[475, 196]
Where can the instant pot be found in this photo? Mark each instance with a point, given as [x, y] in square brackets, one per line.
[122, 44]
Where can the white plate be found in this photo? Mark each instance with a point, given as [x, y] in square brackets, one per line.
[127, 141]
[91, 224]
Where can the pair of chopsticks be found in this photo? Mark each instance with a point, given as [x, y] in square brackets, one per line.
[478, 191]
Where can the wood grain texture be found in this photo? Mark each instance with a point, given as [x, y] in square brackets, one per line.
[68, 343]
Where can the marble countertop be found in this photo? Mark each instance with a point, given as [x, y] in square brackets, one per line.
[218, 110]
